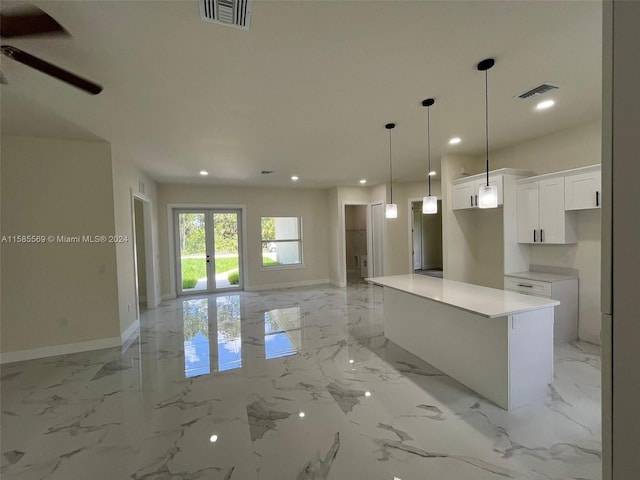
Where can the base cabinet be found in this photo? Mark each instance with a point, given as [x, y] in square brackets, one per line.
[565, 328]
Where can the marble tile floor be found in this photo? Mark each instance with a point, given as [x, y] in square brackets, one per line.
[293, 384]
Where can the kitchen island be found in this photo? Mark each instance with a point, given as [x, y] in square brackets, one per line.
[495, 342]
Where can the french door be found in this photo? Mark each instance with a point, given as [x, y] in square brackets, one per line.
[208, 250]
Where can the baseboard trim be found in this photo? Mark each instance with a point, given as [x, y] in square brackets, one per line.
[54, 350]
[169, 296]
[338, 284]
[275, 286]
[129, 334]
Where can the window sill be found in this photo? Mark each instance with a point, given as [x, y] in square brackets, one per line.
[272, 268]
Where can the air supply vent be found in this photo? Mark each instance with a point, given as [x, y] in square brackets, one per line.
[539, 90]
[233, 13]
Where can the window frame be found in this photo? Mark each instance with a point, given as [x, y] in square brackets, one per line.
[299, 240]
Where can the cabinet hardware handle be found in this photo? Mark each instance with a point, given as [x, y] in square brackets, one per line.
[541, 236]
[476, 200]
[471, 196]
[534, 236]
[525, 285]
[597, 199]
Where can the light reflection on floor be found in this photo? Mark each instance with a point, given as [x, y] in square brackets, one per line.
[222, 314]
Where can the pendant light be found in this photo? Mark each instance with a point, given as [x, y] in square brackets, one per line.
[488, 194]
[391, 210]
[429, 202]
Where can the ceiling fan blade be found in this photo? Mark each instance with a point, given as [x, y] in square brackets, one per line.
[50, 69]
[31, 22]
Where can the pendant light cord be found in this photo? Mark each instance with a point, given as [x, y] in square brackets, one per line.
[429, 148]
[390, 168]
[486, 117]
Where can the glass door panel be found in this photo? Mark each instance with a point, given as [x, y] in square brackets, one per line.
[193, 252]
[226, 248]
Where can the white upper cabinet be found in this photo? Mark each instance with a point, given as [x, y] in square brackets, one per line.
[464, 192]
[463, 195]
[540, 212]
[528, 212]
[583, 189]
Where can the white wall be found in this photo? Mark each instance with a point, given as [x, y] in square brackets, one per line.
[57, 294]
[128, 179]
[309, 204]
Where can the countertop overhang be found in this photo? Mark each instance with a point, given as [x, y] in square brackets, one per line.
[476, 299]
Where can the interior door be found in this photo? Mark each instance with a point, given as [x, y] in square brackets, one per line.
[208, 250]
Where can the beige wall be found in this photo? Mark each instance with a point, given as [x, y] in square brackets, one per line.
[458, 228]
[57, 293]
[622, 230]
[128, 179]
[309, 204]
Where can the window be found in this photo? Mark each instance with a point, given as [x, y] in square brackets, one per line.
[281, 241]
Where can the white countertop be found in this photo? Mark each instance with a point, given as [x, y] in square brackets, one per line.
[541, 276]
[484, 301]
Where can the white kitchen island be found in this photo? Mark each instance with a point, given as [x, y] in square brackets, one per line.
[496, 342]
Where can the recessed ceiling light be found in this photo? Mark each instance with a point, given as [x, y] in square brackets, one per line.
[301, 414]
[363, 181]
[204, 173]
[545, 104]
[455, 141]
[213, 438]
[294, 178]
[367, 394]
[432, 173]
[351, 361]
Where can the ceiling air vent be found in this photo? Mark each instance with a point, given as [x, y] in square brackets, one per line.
[233, 13]
[539, 90]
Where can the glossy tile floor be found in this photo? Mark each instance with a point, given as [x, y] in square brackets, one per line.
[291, 384]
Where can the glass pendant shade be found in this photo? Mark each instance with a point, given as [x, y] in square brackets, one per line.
[430, 204]
[488, 196]
[391, 211]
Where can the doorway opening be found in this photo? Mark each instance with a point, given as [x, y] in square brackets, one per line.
[355, 234]
[426, 235]
[208, 250]
[140, 254]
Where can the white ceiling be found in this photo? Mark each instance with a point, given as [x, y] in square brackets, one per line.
[308, 89]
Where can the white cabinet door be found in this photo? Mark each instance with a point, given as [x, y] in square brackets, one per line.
[527, 211]
[552, 216]
[583, 191]
[464, 195]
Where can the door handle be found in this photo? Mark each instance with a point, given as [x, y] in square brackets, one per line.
[597, 199]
